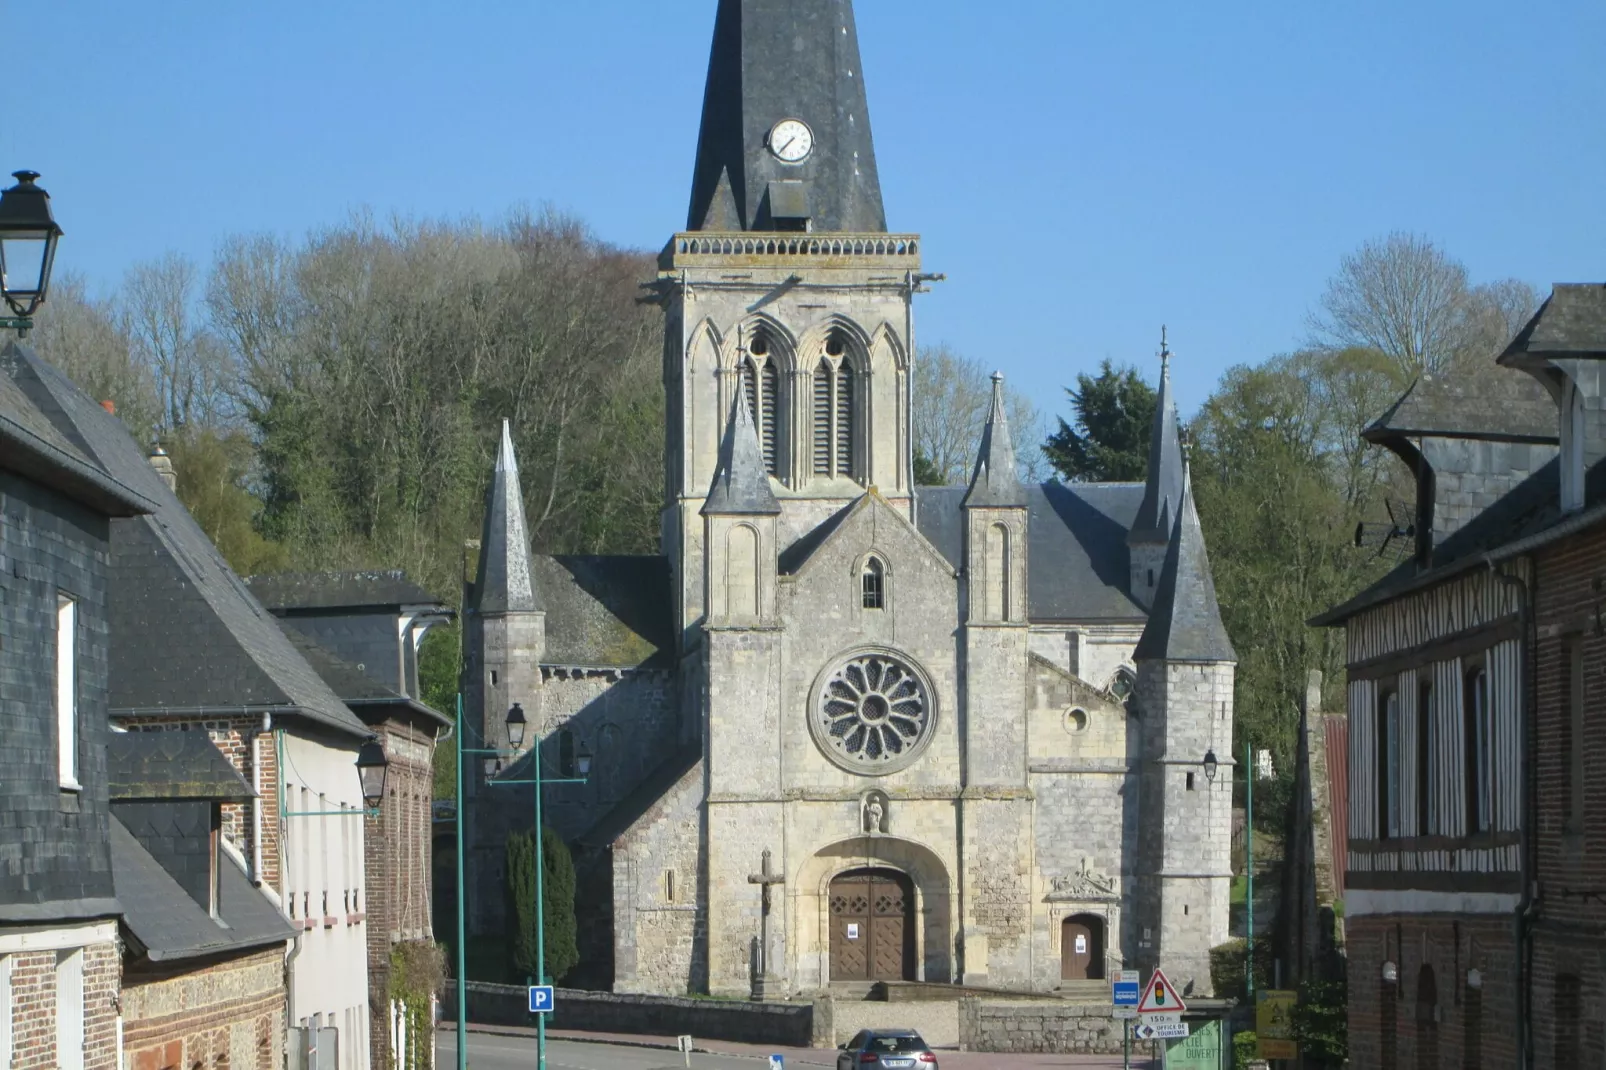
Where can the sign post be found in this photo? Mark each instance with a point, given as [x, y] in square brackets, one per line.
[1124, 991]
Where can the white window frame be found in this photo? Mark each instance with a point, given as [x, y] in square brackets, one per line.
[70, 1009]
[67, 692]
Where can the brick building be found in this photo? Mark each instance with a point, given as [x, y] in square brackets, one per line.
[1473, 912]
[361, 632]
[189, 649]
[59, 977]
[203, 950]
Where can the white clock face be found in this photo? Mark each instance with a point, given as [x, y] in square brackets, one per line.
[791, 141]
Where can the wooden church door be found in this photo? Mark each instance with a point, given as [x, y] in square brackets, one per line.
[872, 926]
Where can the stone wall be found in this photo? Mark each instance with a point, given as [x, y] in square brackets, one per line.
[659, 932]
[226, 1014]
[1038, 1026]
[782, 1024]
[937, 1021]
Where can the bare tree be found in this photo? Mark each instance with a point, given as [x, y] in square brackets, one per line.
[1406, 298]
[85, 338]
[188, 361]
[952, 395]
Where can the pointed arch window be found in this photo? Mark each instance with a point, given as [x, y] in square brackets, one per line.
[835, 396]
[761, 387]
[874, 584]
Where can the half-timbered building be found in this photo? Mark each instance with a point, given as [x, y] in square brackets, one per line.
[1451, 658]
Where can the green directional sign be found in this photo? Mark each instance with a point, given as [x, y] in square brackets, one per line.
[1203, 1049]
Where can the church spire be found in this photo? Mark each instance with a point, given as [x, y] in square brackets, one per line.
[994, 483]
[792, 62]
[502, 582]
[1162, 495]
[741, 483]
[1185, 621]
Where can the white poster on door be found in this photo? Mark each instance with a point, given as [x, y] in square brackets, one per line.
[1081, 944]
[853, 932]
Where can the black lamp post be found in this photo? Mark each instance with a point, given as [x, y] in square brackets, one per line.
[582, 761]
[515, 726]
[28, 236]
[372, 766]
[1210, 766]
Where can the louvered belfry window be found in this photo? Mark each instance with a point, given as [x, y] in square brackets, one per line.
[767, 410]
[760, 385]
[833, 412]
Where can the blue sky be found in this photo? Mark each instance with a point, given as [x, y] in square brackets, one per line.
[1083, 172]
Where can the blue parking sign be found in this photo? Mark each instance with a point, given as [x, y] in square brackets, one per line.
[541, 1001]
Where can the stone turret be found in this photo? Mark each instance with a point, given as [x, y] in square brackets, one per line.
[1185, 676]
[1162, 492]
[739, 528]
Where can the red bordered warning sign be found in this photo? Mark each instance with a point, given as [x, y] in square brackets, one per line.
[1160, 997]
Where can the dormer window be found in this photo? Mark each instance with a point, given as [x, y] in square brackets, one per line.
[874, 584]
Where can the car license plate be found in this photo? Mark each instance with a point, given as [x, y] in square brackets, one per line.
[897, 1064]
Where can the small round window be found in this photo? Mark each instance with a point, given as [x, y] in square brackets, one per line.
[1076, 720]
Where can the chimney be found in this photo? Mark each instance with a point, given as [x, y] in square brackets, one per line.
[164, 466]
[110, 406]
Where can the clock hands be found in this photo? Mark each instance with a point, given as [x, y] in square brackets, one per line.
[789, 142]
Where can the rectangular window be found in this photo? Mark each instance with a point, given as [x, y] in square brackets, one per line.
[70, 1009]
[1572, 734]
[1475, 700]
[1388, 772]
[67, 691]
[1426, 738]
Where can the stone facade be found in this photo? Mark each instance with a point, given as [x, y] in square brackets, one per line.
[227, 1014]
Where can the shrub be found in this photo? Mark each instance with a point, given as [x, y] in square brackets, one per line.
[562, 950]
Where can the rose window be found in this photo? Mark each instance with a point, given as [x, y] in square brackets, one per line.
[873, 713]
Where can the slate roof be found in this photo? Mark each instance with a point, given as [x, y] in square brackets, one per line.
[502, 580]
[220, 650]
[166, 924]
[785, 59]
[1077, 563]
[355, 687]
[31, 445]
[170, 765]
[1571, 323]
[994, 483]
[741, 485]
[607, 612]
[1505, 406]
[1185, 621]
[382, 589]
[1162, 491]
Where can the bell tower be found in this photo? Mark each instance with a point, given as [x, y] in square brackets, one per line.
[786, 293]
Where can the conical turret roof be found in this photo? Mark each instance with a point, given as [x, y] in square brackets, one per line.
[502, 583]
[741, 483]
[1185, 621]
[1162, 492]
[994, 483]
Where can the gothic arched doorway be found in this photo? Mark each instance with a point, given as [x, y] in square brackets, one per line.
[1082, 948]
[872, 926]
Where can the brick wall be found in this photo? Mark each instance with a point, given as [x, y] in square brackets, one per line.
[33, 1008]
[226, 1015]
[396, 848]
[1450, 945]
[1572, 870]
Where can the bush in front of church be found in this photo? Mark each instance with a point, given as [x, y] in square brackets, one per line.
[562, 952]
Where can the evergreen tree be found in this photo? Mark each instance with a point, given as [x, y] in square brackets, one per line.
[521, 904]
[1110, 439]
[562, 933]
[562, 948]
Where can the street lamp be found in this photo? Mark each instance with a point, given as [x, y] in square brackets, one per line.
[517, 724]
[1210, 766]
[372, 766]
[28, 236]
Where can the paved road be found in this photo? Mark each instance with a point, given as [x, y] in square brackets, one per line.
[494, 1051]
[488, 1052]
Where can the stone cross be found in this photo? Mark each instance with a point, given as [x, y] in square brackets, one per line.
[765, 878]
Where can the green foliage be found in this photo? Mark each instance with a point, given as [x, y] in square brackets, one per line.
[1243, 1049]
[214, 469]
[417, 974]
[1321, 1023]
[562, 951]
[1227, 967]
[1114, 421]
[562, 932]
[927, 474]
[439, 658]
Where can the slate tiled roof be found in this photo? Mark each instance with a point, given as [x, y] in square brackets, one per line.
[383, 589]
[165, 923]
[994, 482]
[170, 765]
[1185, 620]
[741, 485]
[1571, 323]
[355, 687]
[606, 612]
[1162, 489]
[1076, 545]
[1502, 405]
[219, 649]
[32, 445]
[502, 580]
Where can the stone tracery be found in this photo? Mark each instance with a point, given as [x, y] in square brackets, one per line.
[873, 713]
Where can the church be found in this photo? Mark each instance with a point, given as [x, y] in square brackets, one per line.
[847, 729]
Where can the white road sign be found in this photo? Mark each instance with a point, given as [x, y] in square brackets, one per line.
[1163, 1018]
[1124, 1012]
[1149, 1031]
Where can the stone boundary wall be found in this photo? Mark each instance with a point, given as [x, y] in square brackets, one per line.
[783, 1024]
[998, 1026]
